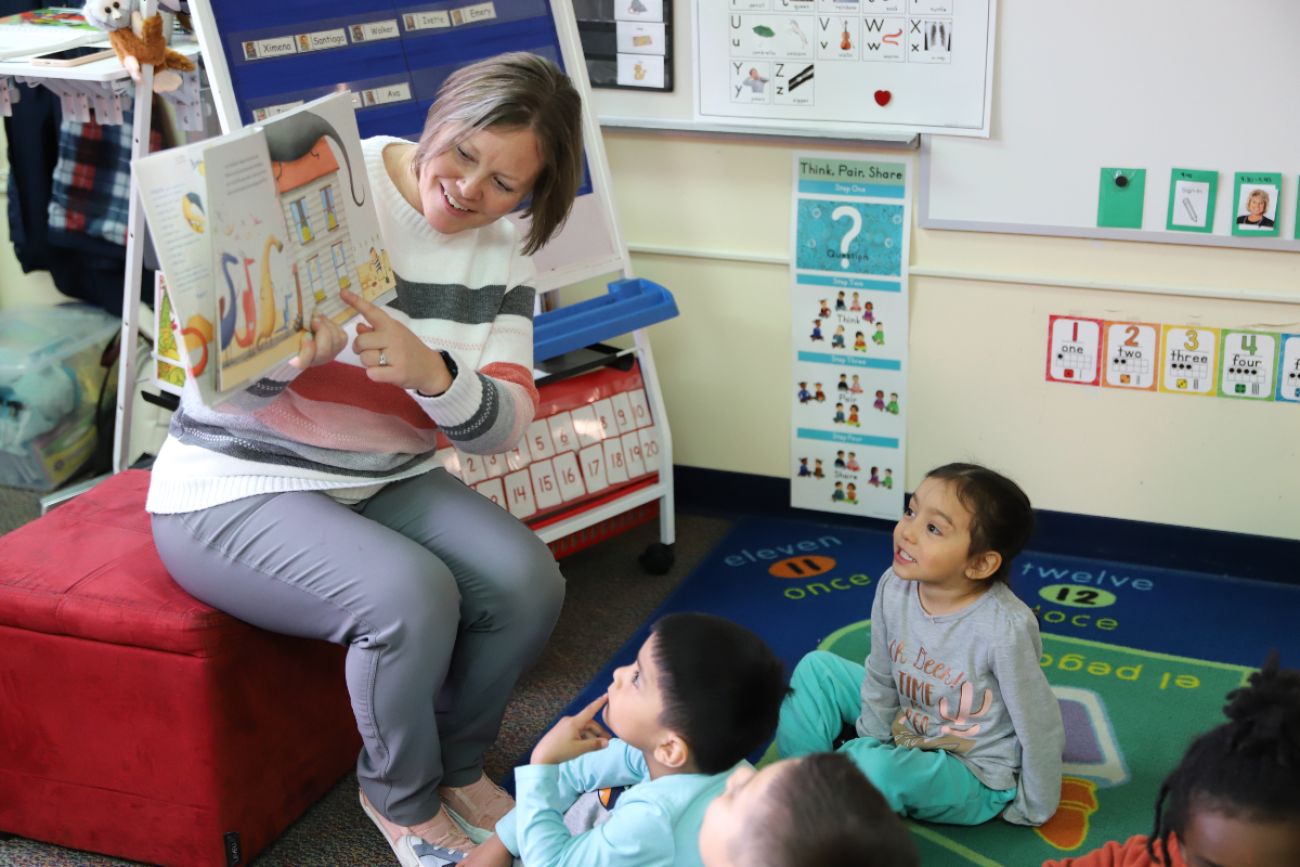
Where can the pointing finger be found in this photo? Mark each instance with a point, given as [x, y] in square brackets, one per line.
[588, 713]
[373, 314]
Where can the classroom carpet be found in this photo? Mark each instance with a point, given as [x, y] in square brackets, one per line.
[1140, 659]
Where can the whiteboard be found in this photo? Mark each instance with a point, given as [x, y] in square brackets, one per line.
[836, 91]
[393, 57]
[1158, 85]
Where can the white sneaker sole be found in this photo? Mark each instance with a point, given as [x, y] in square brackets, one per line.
[401, 847]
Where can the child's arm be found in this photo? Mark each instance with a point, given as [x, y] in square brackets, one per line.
[879, 695]
[1131, 853]
[1036, 717]
[571, 750]
[637, 833]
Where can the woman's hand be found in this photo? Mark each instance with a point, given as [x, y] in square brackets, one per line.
[321, 345]
[573, 736]
[392, 353]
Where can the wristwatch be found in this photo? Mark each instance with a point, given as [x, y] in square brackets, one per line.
[451, 368]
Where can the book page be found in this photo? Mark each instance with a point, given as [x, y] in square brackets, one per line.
[173, 193]
[256, 232]
[293, 225]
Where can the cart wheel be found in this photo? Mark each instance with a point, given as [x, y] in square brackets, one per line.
[657, 558]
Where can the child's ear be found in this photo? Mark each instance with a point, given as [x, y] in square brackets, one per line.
[672, 751]
[982, 567]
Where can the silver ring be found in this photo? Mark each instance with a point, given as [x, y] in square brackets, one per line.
[383, 358]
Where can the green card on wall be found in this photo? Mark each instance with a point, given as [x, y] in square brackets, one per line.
[1119, 198]
[1255, 197]
[1192, 196]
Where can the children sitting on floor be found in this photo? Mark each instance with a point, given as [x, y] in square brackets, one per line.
[702, 694]
[1234, 799]
[955, 721]
[816, 810]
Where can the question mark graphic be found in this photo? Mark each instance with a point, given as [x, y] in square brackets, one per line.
[855, 218]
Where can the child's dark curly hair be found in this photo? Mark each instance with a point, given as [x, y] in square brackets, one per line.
[1248, 767]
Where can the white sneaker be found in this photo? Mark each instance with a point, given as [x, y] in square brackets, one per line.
[477, 807]
[441, 834]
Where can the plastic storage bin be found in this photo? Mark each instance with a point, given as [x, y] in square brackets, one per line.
[51, 384]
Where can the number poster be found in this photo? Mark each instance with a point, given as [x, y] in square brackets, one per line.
[1174, 359]
[849, 239]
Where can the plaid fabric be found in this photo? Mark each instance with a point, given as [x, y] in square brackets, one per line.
[92, 179]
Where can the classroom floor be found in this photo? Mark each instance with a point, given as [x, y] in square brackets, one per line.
[1121, 640]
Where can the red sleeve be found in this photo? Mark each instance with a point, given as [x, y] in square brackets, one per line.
[1130, 853]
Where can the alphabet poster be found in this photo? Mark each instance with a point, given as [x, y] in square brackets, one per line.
[894, 66]
[850, 226]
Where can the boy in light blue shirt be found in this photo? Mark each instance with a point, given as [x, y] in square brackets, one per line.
[702, 694]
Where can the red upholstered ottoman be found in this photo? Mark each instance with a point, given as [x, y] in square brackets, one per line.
[135, 720]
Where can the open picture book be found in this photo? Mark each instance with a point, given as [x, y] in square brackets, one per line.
[257, 231]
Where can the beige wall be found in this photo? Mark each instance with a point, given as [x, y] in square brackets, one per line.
[978, 347]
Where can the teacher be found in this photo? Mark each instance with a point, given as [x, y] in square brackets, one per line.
[313, 504]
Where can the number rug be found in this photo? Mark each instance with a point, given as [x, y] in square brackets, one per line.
[1140, 659]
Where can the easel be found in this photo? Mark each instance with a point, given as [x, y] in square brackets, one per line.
[593, 226]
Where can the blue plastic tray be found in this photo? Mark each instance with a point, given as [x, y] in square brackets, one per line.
[629, 304]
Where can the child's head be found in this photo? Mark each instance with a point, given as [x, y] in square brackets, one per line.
[981, 521]
[818, 809]
[512, 92]
[1235, 796]
[702, 694]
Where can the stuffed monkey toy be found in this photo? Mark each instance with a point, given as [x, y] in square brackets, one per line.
[138, 41]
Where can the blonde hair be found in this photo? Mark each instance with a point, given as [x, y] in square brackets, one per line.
[1258, 192]
[517, 90]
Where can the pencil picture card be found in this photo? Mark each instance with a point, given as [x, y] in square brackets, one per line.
[1120, 197]
[1248, 364]
[1189, 359]
[1288, 369]
[1192, 194]
[1256, 196]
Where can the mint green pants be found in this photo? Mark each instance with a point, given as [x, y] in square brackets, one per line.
[921, 784]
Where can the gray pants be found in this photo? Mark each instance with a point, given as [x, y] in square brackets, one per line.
[442, 597]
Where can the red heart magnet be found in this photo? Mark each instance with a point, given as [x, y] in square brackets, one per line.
[883, 97]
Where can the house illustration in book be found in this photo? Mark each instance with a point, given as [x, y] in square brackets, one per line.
[308, 187]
